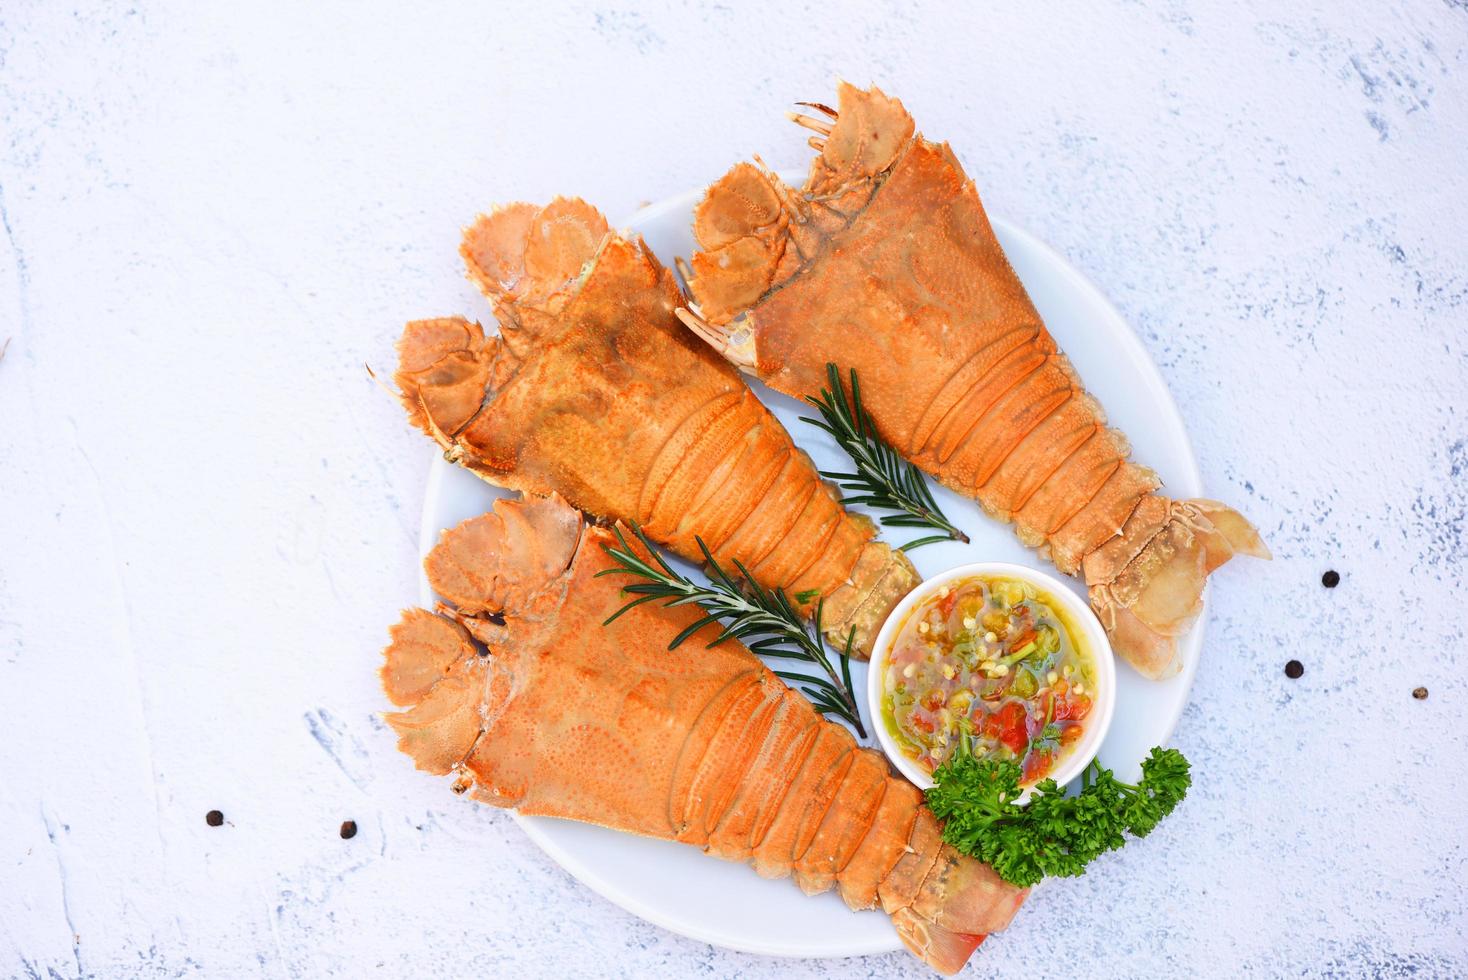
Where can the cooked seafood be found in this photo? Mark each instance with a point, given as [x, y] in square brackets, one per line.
[593, 390]
[516, 692]
[885, 262]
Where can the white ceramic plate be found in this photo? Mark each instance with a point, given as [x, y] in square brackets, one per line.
[726, 904]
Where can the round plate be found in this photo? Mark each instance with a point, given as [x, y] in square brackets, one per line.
[680, 888]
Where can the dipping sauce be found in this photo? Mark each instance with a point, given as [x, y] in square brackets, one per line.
[993, 662]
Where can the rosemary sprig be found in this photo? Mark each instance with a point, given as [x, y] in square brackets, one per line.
[882, 479]
[762, 619]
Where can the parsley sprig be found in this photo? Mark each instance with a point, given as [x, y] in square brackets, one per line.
[763, 619]
[1055, 835]
[882, 479]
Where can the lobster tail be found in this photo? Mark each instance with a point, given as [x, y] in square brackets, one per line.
[1146, 584]
[888, 242]
[514, 691]
[943, 949]
[592, 390]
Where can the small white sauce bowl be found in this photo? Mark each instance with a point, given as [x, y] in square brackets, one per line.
[1103, 700]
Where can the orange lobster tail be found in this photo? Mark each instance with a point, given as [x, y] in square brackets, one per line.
[885, 262]
[594, 391]
[519, 694]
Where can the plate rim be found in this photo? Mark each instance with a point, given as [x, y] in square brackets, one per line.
[882, 940]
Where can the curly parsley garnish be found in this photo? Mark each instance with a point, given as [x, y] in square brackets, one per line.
[1055, 835]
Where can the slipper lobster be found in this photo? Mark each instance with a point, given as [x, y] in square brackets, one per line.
[514, 690]
[594, 390]
[885, 262]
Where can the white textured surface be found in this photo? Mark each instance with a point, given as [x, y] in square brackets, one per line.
[207, 512]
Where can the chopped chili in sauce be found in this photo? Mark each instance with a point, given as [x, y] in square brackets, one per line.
[994, 662]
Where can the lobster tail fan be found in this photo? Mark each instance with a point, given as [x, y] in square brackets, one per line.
[1146, 584]
[942, 949]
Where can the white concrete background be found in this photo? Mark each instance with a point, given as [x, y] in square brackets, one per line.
[208, 513]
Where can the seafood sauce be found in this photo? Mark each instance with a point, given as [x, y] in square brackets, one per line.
[992, 662]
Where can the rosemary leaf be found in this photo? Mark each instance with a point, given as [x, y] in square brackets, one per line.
[882, 480]
[763, 619]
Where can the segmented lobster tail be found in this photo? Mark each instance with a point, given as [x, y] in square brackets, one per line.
[515, 691]
[1146, 584]
[594, 391]
[886, 263]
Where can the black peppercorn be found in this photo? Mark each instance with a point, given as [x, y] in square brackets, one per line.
[214, 818]
[1294, 669]
[349, 829]
[1331, 579]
